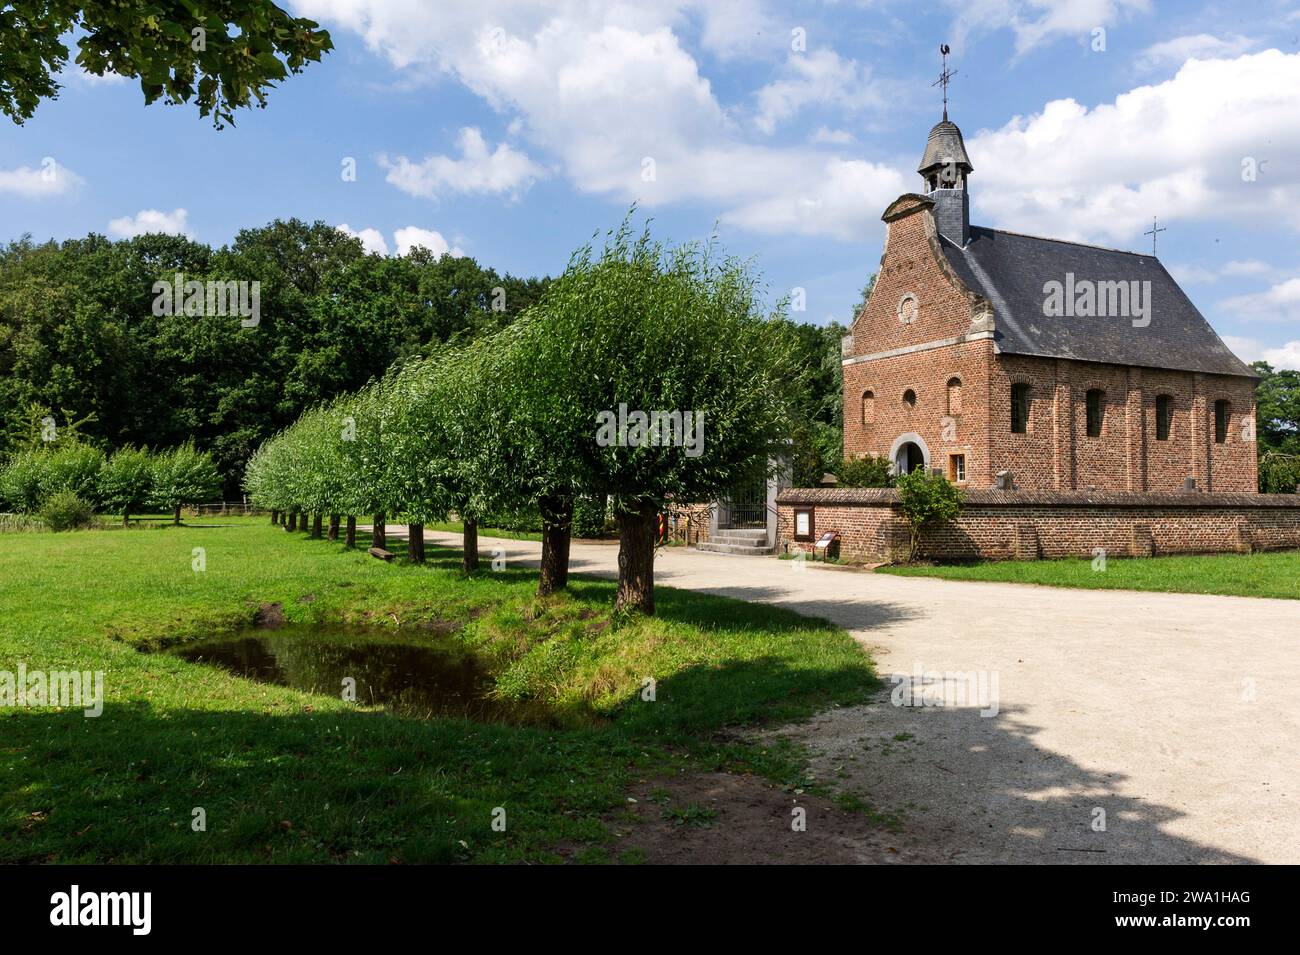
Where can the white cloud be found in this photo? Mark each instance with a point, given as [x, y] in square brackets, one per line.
[404, 239]
[1247, 267]
[1199, 46]
[146, 221]
[604, 87]
[77, 76]
[817, 79]
[1038, 22]
[1201, 275]
[1175, 149]
[1280, 303]
[412, 236]
[1286, 355]
[501, 170]
[49, 179]
[372, 240]
[734, 28]
[831, 137]
[844, 201]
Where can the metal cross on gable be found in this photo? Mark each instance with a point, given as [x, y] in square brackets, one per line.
[1153, 232]
[944, 77]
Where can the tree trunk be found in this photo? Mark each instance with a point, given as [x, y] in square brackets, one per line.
[315, 526]
[275, 517]
[636, 560]
[415, 543]
[557, 526]
[333, 533]
[379, 532]
[293, 522]
[284, 518]
[126, 519]
[350, 534]
[176, 515]
[469, 559]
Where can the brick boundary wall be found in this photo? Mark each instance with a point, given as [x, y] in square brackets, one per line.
[1026, 525]
[689, 523]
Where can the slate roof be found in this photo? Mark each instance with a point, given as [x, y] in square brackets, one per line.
[944, 145]
[1010, 271]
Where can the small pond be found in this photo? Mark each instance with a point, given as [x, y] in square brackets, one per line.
[423, 676]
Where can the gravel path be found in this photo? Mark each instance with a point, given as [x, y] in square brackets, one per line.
[1172, 719]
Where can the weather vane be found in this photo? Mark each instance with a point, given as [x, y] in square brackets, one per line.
[1153, 231]
[944, 77]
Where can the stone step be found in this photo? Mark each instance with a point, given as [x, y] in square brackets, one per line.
[742, 536]
[741, 541]
[739, 550]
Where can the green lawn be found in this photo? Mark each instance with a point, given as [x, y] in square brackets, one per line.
[456, 527]
[1274, 574]
[287, 776]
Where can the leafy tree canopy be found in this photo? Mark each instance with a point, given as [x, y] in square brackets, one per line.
[225, 55]
[80, 341]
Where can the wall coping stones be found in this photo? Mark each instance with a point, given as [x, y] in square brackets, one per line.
[888, 497]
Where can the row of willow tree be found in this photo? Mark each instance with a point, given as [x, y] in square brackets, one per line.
[510, 422]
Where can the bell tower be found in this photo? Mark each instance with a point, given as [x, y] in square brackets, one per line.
[945, 168]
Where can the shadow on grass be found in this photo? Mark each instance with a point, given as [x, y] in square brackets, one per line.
[334, 785]
[319, 783]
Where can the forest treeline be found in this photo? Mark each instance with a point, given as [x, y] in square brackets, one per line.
[82, 346]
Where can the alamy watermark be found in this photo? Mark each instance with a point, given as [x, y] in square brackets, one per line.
[211, 298]
[636, 429]
[133, 910]
[73, 688]
[1084, 298]
[956, 688]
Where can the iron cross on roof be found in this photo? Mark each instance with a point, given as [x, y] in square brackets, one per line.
[1153, 232]
[944, 77]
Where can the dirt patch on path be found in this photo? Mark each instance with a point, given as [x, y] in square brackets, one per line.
[723, 819]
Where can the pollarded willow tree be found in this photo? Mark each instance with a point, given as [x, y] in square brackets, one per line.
[304, 470]
[126, 481]
[388, 450]
[183, 475]
[514, 454]
[434, 436]
[647, 374]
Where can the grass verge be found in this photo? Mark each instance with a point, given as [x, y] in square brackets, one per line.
[286, 776]
[1272, 574]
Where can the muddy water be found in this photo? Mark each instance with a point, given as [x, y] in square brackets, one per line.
[427, 677]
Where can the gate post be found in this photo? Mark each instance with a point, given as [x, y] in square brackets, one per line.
[781, 477]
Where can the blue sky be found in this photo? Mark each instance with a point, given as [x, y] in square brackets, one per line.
[512, 131]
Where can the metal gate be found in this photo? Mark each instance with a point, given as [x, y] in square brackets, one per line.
[745, 506]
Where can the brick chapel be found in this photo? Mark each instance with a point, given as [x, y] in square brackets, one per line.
[1002, 359]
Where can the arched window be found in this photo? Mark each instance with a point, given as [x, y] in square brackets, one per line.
[909, 398]
[1164, 416]
[1222, 410]
[908, 308]
[1019, 408]
[868, 407]
[1096, 405]
[954, 396]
